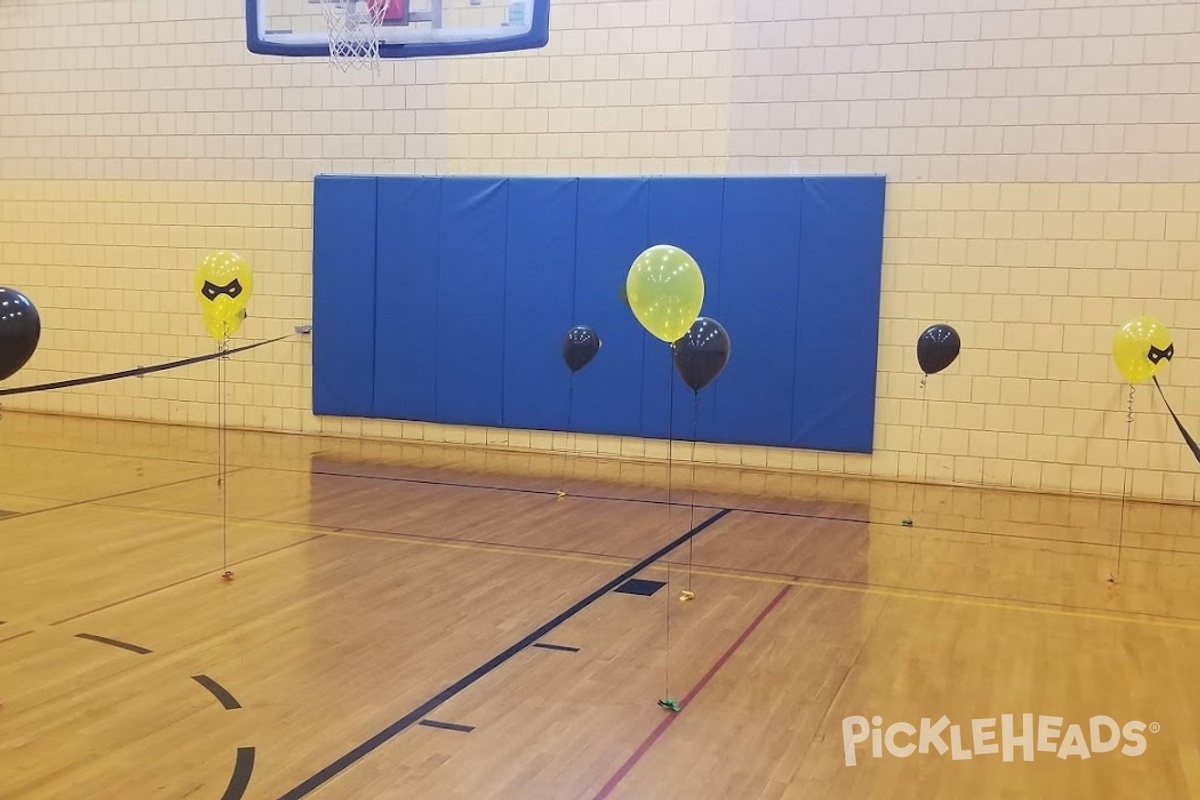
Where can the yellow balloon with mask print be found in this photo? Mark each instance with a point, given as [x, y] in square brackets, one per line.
[1141, 348]
[665, 289]
[223, 284]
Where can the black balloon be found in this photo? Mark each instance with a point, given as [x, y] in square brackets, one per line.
[579, 347]
[20, 329]
[702, 353]
[937, 348]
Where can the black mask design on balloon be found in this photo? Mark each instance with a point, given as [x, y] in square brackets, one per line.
[1155, 355]
[212, 291]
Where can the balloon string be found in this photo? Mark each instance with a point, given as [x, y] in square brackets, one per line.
[562, 484]
[572, 434]
[922, 458]
[692, 482]
[670, 440]
[667, 660]
[223, 453]
[670, 461]
[1125, 481]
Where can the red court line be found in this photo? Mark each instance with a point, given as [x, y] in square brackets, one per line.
[668, 720]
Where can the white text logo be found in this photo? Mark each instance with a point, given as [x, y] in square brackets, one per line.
[1012, 736]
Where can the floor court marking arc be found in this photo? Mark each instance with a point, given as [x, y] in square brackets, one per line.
[243, 769]
[222, 695]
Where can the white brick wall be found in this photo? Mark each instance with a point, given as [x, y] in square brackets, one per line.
[1088, 90]
[1044, 157]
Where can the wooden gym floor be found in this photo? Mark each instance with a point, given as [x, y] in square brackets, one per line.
[422, 622]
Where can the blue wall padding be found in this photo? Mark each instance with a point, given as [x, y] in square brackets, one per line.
[344, 212]
[406, 298]
[446, 299]
[471, 299]
[612, 216]
[676, 204]
[837, 333]
[761, 230]
[540, 294]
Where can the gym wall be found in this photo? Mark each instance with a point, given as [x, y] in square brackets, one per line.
[1043, 170]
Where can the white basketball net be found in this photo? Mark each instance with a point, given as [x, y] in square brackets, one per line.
[354, 32]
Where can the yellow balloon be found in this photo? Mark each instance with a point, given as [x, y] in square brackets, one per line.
[219, 326]
[665, 289]
[223, 284]
[1141, 348]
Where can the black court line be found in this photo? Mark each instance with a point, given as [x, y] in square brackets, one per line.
[16, 636]
[517, 549]
[880, 523]
[420, 712]
[421, 537]
[492, 488]
[645, 501]
[127, 493]
[731, 572]
[446, 726]
[181, 581]
[562, 648]
[242, 770]
[133, 648]
[554, 493]
[739, 509]
[218, 691]
[939, 595]
[485, 487]
[448, 484]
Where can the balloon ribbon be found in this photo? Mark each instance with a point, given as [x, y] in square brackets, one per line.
[1187, 437]
[134, 373]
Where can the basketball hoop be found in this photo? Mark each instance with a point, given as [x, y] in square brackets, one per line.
[354, 32]
[364, 33]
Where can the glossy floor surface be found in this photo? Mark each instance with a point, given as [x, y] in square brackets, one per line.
[419, 622]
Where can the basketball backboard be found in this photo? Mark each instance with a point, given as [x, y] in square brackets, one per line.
[409, 29]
